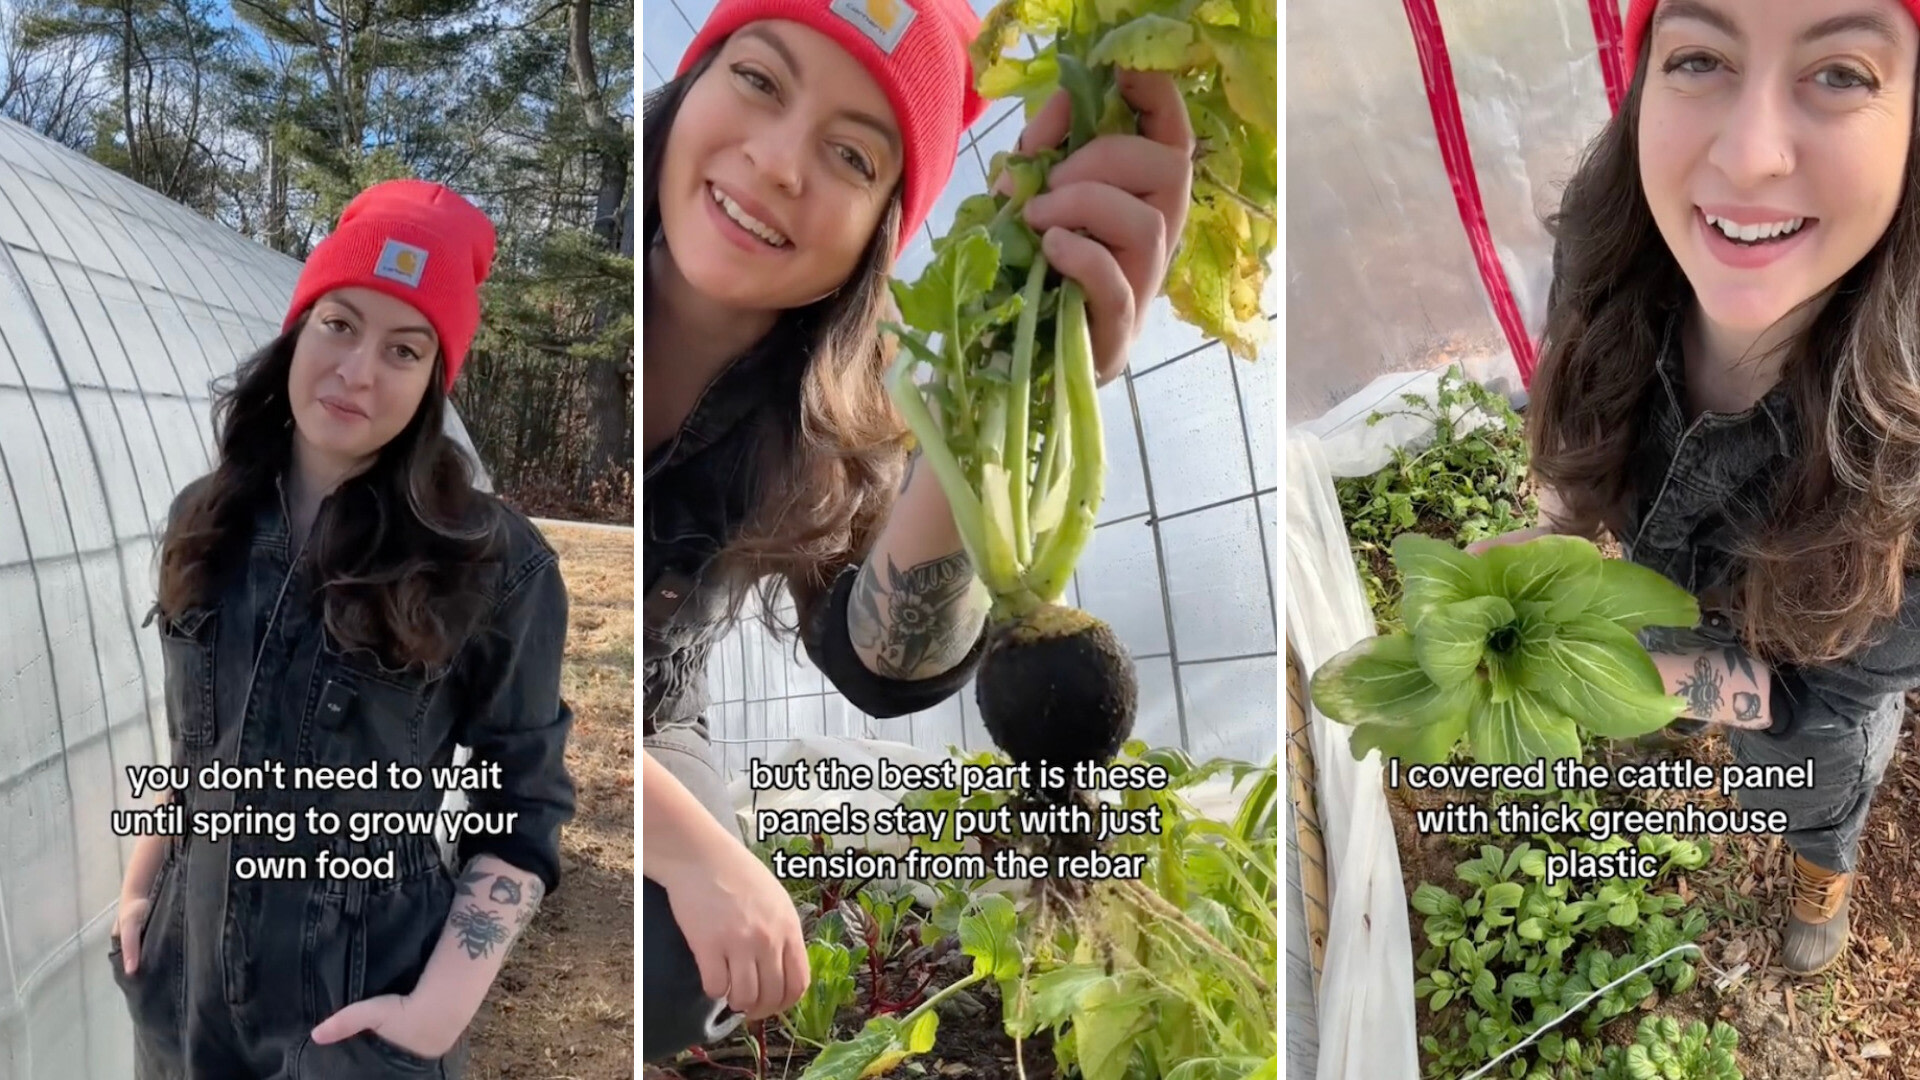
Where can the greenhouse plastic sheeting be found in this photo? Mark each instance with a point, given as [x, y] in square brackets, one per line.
[117, 309]
[1382, 277]
[1365, 1015]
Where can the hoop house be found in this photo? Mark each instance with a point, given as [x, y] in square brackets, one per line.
[117, 311]
[1428, 140]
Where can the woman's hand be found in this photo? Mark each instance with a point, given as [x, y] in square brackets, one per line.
[408, 1021]
[1517, 536]
[1113, 211]
[128, 924]
[743, 930]
[130, 919]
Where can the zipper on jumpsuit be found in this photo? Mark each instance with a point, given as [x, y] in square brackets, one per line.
[238, 992]
[1666, 480]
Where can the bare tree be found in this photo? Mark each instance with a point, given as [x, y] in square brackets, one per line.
[613, 145]
[53, 87]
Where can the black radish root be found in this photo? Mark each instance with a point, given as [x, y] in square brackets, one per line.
[1056, 686]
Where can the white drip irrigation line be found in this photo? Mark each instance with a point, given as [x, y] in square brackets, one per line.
[1588, 1000]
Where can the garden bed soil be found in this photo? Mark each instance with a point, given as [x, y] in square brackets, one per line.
[1859, 1020]
[1379, 558]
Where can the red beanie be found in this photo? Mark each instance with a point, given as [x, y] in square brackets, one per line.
[1640, 16]
[915, 49]
[417, 242]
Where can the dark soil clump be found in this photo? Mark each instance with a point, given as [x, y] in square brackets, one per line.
[1056, 687]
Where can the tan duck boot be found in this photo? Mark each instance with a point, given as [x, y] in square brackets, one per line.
[1817, 920]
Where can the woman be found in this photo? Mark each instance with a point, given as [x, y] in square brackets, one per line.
[337, 595]
[1731, 386]
[796, 154]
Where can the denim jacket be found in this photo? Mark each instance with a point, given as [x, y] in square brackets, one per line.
[255, 678]
[1698, 485]
[699, 489]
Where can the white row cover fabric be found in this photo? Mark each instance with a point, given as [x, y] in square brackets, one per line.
[1365, 1008]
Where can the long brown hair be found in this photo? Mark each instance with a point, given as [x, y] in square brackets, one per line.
[399, 553]
[1823, 567]
[831, 447]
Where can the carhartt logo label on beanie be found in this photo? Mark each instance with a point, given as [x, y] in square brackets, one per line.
[884, 22]
[400, 262]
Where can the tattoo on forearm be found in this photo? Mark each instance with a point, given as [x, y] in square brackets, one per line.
[535, 892]
[1702, 688]
[1706, 674]
[505, 890]
[479, 930]
[1740, 662]
[918, 622]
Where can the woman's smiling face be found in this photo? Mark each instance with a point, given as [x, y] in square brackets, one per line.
[1773, 140]
[781, 162]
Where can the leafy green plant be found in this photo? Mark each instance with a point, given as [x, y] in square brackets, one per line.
[1466, 484]
[1517, 953]
[1157, 976]
[1516, 649]
[1560, 1058]
[1663, 1050]
[983, 804]
[1009, 419]
[987, 935]
[831, 989]
[887, 918]
[1163, 976]
[1223, 55]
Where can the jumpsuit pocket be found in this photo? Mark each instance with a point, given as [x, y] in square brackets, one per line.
[187, 648]
[371, 943]
[148, 927]
[391, 944]
[360, 1057]
[156, 990]
[364, 710]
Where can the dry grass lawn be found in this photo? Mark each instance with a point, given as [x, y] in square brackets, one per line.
[562, 1008]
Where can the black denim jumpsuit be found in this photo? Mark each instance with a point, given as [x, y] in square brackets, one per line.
[235, 973]
[1698, 482]
[699, 488]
